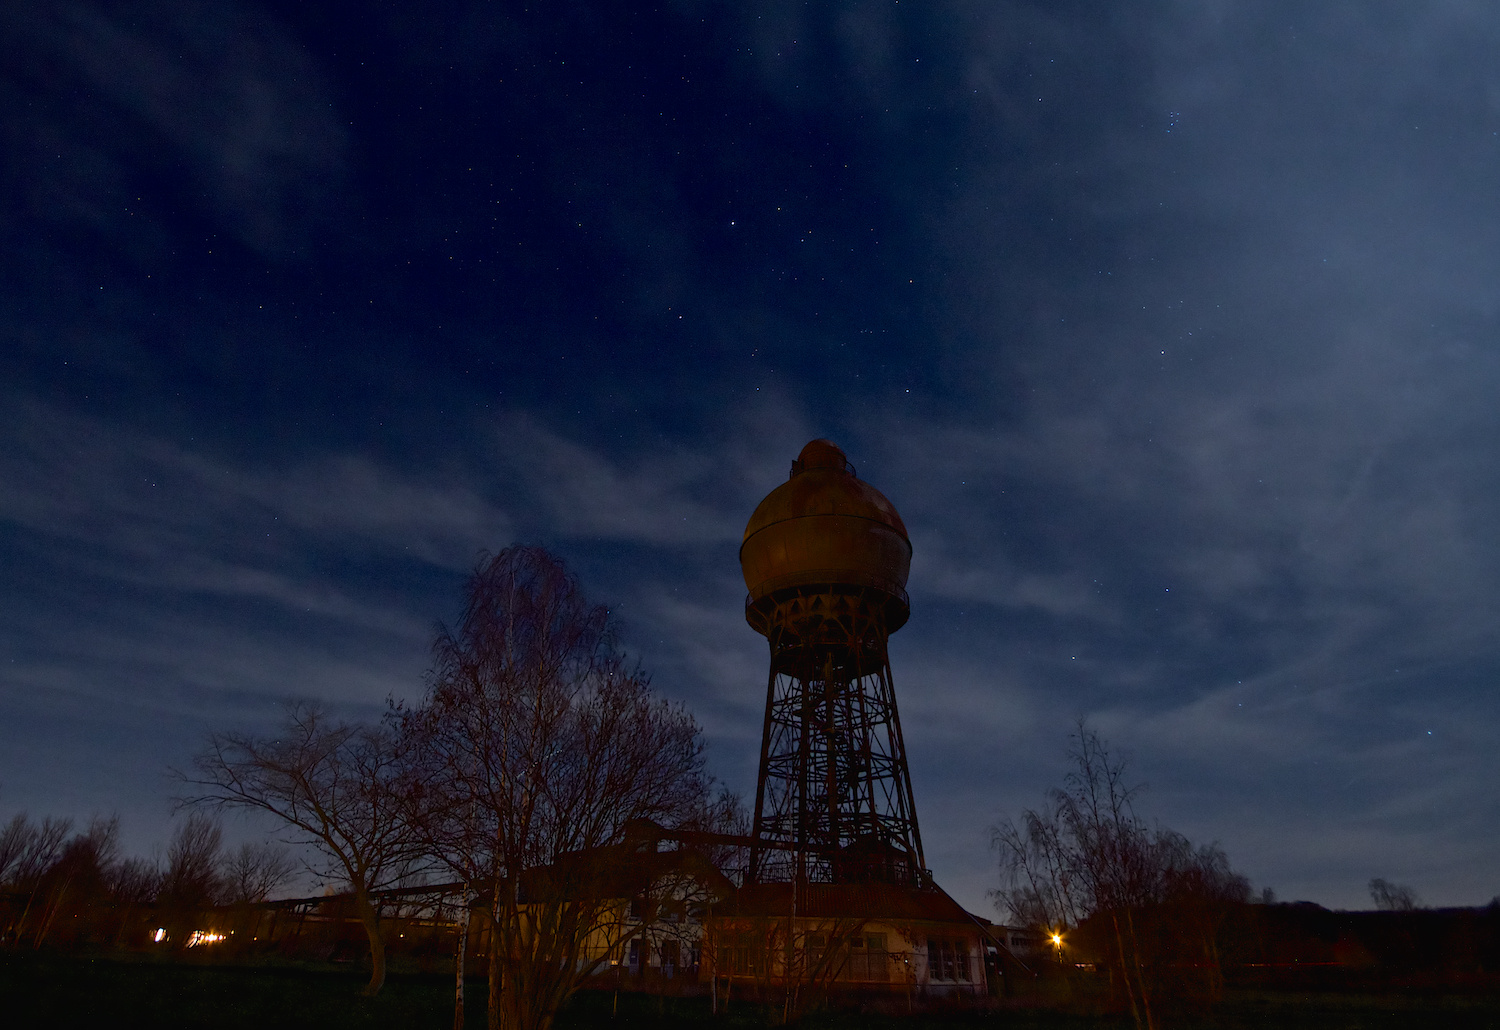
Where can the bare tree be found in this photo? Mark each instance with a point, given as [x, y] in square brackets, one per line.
[15, 839]
[77, 882]
[27, 851]
[69, 887]
[1087, 856]
[255, 871]
[1393, 897]
[540, 743]
[192, 877]
[133, 882]
[336, 787]
[27, 848]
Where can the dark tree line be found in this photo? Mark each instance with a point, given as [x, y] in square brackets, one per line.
[61, 887]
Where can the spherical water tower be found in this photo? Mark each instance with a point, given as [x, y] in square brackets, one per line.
[825, 558]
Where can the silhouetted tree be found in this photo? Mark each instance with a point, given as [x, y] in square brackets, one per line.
[539, 744]
[76, 884]
[1087, 857]
[66, 890]
[336, 787]
[27, 851]
[1393, 897]
[723, 814]
[1199, 894]
[133, 882]
[15, 839]
[192, 878]
[255, 871]
[191, 881]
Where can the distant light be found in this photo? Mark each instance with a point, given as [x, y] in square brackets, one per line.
[160, 934]
[204, 937]
[1057, 939]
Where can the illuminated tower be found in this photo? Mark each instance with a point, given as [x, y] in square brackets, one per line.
[825, 558]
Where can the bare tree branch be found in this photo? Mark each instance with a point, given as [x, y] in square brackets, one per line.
[538, 744]
[1089, 859]
[337, 787]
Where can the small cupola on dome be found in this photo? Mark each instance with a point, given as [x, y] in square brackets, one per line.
[822, 454]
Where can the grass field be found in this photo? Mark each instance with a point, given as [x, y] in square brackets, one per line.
[46, 991]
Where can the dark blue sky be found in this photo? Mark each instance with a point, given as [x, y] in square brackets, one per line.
[1172, 331]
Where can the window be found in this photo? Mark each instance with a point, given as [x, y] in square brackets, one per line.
[738, 955]
[860, 957]
[816, 945]
[948, 959]
[867, 958]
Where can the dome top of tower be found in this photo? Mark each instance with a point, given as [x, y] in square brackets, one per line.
[822, 454]
[822, 482]
[825, 526]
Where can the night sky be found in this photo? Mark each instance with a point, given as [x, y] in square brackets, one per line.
[1171, 329]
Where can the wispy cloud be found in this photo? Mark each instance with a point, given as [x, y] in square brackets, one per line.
[654, 499]
[224, 94]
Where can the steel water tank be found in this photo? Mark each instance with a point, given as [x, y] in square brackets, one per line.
[825, 527]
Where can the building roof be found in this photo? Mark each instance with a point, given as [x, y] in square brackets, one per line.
[876, 901]
[621, 871]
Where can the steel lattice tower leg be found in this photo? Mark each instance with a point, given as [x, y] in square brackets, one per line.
[833, 802]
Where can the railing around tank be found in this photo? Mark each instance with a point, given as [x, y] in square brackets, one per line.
[827, 579]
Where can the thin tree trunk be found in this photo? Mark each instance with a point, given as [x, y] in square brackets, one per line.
[497, 976]
[51, 914]
[1140, 973]
[124, 922]
[26, 911]
[463, 947]
[1135, 1012]
[1215, 969]
[370, 919]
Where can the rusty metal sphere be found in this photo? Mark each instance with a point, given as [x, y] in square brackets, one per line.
[824, 527]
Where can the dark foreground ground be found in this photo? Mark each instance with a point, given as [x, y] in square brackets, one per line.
[45, 991]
